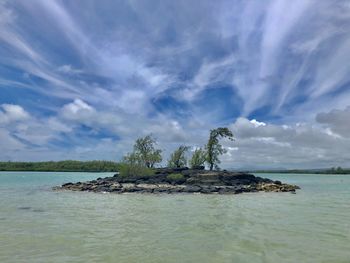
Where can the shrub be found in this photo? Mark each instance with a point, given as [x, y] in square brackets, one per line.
[175, 177]
[134, 170]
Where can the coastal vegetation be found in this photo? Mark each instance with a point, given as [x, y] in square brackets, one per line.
[338, 170]
[333, 170]
[61, 166]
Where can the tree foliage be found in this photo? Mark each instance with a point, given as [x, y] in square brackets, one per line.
[145, 152]
[214, 148]
[198, 158]
[178, 158]
[132, 159]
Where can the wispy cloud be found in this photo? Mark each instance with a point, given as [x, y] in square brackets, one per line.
[100, 73]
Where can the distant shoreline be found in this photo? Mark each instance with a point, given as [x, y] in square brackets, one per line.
[60, 166]
[109, 166]
[311, 171]
[58, 171]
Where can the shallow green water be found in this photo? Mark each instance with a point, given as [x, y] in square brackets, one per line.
[39, 225]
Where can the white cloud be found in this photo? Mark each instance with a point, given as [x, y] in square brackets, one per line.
[77, 108]
[257, 123]
[12, 113]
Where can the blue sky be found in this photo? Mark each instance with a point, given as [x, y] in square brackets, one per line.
[84, 79]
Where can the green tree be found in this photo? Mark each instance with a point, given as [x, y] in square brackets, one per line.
[145, 152]
[178, 158]
[142, 159]
[214, 148]
[198, 158]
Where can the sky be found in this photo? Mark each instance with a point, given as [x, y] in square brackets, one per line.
[83, 79]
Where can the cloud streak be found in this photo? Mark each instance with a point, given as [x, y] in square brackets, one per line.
[122, 69]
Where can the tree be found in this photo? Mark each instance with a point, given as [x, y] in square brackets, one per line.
[142, 159]
[178, 158]
[198, 158]
[145, 152]
[214, 148]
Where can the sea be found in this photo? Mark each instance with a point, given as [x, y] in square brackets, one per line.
[41, 225]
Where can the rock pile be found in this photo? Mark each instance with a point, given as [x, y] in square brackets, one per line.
[182, 180]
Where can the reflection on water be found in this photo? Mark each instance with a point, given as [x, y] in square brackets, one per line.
[47, 226]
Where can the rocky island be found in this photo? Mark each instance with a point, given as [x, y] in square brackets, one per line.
[182, 180]
[138, 175]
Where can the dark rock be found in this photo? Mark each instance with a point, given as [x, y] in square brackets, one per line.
[177, 181]
[208, 189]
[190, 172]
[24, 208]
[204, 178]
[198, 168]
[236, 176]
[192, 188]
[168, 170]
[239, 191]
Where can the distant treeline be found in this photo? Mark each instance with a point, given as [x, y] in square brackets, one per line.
[61, 166]
[333, 170]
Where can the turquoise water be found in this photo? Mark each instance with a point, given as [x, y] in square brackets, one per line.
[39, 225]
